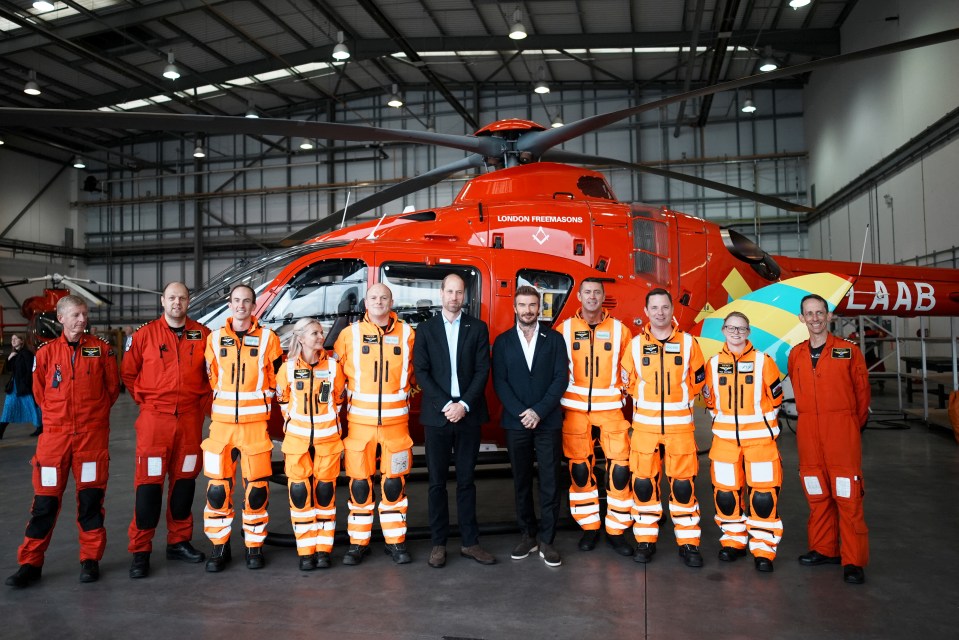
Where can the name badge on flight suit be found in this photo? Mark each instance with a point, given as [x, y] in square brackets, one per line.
[746, 367]
[391, 339]
[602, 335]
[842, 354]
[251, 341]
[671, 347]
[90, 352]
[193, 334]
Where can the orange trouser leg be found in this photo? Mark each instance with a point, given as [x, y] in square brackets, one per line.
[764, 480]
[395, 463]
[578, 449]
[646, 466]
[614, 439]
[727, 476]
[682, 465]
[823, 524]
[360, 460]
[312, 492]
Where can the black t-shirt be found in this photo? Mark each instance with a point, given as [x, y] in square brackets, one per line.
[815, 352]
[178, 330]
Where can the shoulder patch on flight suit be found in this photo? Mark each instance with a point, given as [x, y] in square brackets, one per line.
[724, 367]
[776, 388]
[227, 341]
[650, 349]
[90, 352]
[700, 373]
[194, 334]
[371, 339]
[842, 354]
[707, 394]
[581, 335]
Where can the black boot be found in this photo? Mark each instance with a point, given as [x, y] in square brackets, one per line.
[3, 428]
[219, 558]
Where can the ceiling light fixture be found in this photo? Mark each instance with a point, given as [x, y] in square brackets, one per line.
[340, 52]
[557, 121]
[41, 5]
[769, 63]
[749, 106]
[798, 4]
[518, 30]
[1, 140]
[251, 111]
[541, 87]
[170, 71]
[306, 145]
[395, 100]
[198, 152]
[31, 88]
[78, 163]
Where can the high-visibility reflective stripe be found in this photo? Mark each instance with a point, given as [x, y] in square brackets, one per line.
[240, 395]
[615, 502]
[597, 391]
[305, 542]
[254, 518]
[588, 520]
[243, 411]
[619, 515]
[639, 418]
[357, 381]
[746, 434]
[648, 508]
[305, 431]
[324, 541]
[359, 508]
[360, 535]
[757, 419]
[758, 545]
[372, 413]
[645, 531]
[303, 528]
[218, 535]
[325, 512]
[678, 508]
[250, 537]
[617, 347]
[731, 526]
[360, 519]
[586, 495]
[615, 524]
[375, 397]
[661, 406]
[739, 539]
[392, 517]
[595, 406]
[211, 523]
[577, 509]
[686, 534]
[402, 504]
[405, 372]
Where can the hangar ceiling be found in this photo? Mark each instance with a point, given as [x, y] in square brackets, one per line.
[275, 56]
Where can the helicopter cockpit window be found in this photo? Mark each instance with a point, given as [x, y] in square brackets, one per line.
[47, 326]
[553, 288]
[595, 187]
[416, 289]
[651, 248]
[329, 290]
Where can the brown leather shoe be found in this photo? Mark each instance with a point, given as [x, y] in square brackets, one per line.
[479, 554]
[438, 557]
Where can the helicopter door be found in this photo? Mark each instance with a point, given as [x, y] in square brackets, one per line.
[416, 288]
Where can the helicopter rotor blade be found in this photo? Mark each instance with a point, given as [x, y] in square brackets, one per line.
[42, 118]
[560, 155]
[109, 284]
[93, 298]
[382, 197]
[537, 142]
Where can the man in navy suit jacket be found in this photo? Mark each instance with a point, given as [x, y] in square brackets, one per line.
[452, 412]
[530, 374]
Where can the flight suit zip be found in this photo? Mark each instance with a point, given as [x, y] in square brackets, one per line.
[662, 388]
[590, 372]
[379, 400]
[236, 401]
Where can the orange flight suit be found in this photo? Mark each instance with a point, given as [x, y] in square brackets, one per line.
[833, 405]
[310, 396]
[594, 400]
[74, 388]
[166, 375]
[378, 364]
[664, 378]
[743, 393]
[241, 374]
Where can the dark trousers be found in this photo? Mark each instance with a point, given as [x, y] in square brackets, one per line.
[545, 447]
[458, 444]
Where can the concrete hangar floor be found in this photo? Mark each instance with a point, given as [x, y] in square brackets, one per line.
[912, 508]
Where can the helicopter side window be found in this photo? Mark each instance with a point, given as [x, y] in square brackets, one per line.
[47, 326]
[651, 246]
[416, 289]
[329, 290]
[554, 290]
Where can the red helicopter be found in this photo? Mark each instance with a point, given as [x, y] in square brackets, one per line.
[537, 220]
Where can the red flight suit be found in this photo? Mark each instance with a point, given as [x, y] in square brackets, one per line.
[166, 375]
[833, 405]
[74, 388]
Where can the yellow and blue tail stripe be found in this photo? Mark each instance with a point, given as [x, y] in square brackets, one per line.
[773, 313]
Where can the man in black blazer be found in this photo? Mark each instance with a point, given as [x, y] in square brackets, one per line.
[530, 374]
[452, 411]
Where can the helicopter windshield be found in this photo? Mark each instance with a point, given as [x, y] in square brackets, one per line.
[209, 305]
[554, 289]
[416, 289]
[329, 290]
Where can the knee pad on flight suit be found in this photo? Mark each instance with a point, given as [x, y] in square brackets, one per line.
[360, 491]
[181, 498]
[325, 492]
[146, 508]
[762, 503]
[645, 488]
[618, 476]
[579, 472]
[217, 493]
[393, 488]
[299, 494]
[43, 515]
[90, 509]
[257, 494]
[726, 502]
[682, 490]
